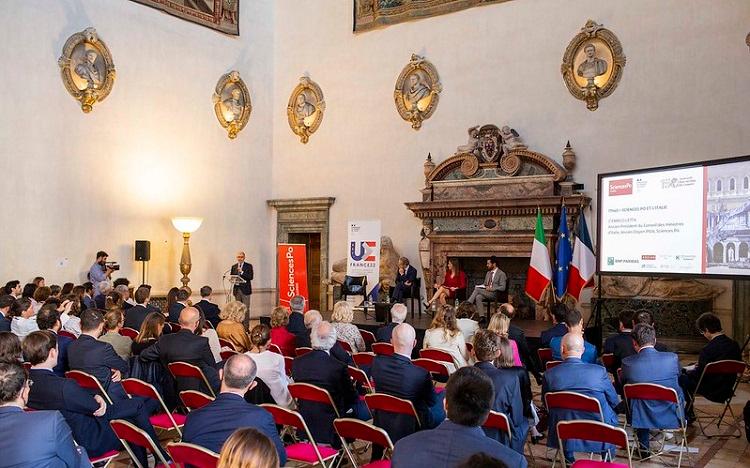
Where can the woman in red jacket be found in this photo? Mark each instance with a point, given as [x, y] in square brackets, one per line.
[454, 280]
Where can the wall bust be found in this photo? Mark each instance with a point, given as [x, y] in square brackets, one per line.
[592, 64]
[232, 103]
[305, 108]
[417, 90]
[87, 69]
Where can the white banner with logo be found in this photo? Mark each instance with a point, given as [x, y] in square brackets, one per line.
[363, 258]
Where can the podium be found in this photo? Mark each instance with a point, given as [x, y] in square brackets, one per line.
[234, 280]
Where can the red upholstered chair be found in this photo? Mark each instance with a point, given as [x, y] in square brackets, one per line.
[68, 334]
[105, 458]
[384, 349]
[226, 344]
[350, 429]
[187, 370]
[545, 354]
[596, 432]
[725, 367]
[310, 392]
[435, 368]
[368, 337]
[175, 327]
[27, 366]
[550, 364]
[165, 420]
[436, 355]
[654, 392]
[498, 421]
[193, 399]
[309, 452]
[88, 381]
[347, 347]
[302, 351]
[572, 401]
[359, 376]
[226, 354]
[274, 349]
[363, 359]
[391, 404]
[469, 347]
[608, 360]
[129, 332]
[129, 435]
[288, 363]
[184, 454]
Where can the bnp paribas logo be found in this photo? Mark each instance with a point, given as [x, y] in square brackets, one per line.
[610, 261]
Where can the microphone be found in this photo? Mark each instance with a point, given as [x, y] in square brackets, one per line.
[224, 275]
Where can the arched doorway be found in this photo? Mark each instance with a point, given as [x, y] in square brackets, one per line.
[743, 251]
[718, 255]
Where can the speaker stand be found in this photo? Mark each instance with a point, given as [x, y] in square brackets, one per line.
[143, 272]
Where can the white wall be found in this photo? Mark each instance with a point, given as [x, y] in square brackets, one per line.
[77, 183]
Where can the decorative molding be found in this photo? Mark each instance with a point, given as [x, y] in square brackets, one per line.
[87, 68]
[232, 104]
[221, 15]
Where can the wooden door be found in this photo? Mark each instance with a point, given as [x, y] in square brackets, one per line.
[312, 246]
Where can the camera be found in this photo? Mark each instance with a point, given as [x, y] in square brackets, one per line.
[114, 266]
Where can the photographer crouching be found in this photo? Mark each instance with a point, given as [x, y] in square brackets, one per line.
[101, 270]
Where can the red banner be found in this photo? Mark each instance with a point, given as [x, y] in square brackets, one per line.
[292, 273]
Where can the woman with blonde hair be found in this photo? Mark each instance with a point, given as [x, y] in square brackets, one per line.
[499, 323]
[341, 319]
[248, 448]
[114, 320]
[231, 328]
[280, 336]
[445, 335]
[270, 365]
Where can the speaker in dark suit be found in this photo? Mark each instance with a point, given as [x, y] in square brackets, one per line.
[405, 278]
[242, 292]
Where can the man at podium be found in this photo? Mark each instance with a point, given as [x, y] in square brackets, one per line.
[244, 270]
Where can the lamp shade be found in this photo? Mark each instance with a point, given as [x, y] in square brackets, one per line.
[187, 224]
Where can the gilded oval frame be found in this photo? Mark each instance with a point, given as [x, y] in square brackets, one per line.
[228, 118]
[422, 109]
[99, 85]
[305, 118]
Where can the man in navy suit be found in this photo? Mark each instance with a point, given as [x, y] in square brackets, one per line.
[38, 438]
[592, 380]
[174, 310]
[398, 315]
[98, 358]
[620, 345]
[396, 375]
[507, 390]
[242, 292]
[558, 329]
[296, 323]
[48, 318]
[211, 425]
[86, 412]
[210, 310]
[574, 323]
[651, 366]
[323, 370]
[405, 278]
[135, 316]
[468, 400]
[6, 303]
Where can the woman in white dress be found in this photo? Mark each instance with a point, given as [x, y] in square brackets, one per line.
[445, 335]
[270, 366]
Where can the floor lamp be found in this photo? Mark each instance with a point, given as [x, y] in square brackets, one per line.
[187, 226]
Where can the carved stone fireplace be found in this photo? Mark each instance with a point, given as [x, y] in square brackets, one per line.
[483, 201]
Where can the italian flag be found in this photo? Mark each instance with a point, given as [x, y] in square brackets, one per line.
[539, 277]
[583, 264]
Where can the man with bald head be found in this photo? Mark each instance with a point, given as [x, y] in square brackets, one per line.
[592, 380]
[211, 425]
[244, 270]
[185, 346]
[396, 375]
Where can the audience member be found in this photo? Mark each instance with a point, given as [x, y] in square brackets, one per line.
[575, 375]
[204, 329]
[113, 323]
[88, 296]
[37, 438]
[135, 316]
[102, 290]
[651, 366]
[346, 331]
[10, 348]
[171, 298]
[405, 278]
[185, 346]
[644, 316]
[620, 345]
[280, 336]
[396, 375]
[465, 321]
[506, 387]
[516, 334]
[28, 290]
[500, 323]
[398, 315]
[124, 293]
[468, 401]
[559, 311]
[70, 310]
[574, 323]
[174, 310]
[297, 316]
[248, 448]
[210, 310]
[66, 289]
[231, 328]
[97, 358]
[6, 303]
[312, 319]
[720, 347]
[150, 331]
[271, 369]
[454, 280]
[39, 282]
[211, 425]
[54, 290]
[482, 460]
[86, 412]
[319, 368]
[25, 322]
[13, 288]
[49, 319]
[444, 334]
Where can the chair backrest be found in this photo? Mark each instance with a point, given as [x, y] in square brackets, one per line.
[288, 363]
[183, 369]
[496, 420]
[274, 349]
[550, 364]
[68, 334]
[363, 359]
[88, 381]
[436, 355]
[302, 351]
[310, 392]
[27, 366]
[226, 354]
[383, 349]
[391, 404]
[129, 433]
[354, 286]
[137, 387]
[368, 337]
[650, 391]
[608, 359]
[347, 347]
[193, 399]
[469, 347]
[573, 401]
[175, 327]
[545, 354]
[582, 429]
[359, 376]
[287, 417]
[432, 366]
[354, 429]
[129, 332]
[193, 455]
[226, 344]
[725, 367]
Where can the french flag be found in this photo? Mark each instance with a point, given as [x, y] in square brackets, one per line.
[583, 264]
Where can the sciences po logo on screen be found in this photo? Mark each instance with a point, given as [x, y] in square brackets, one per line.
[621, 187]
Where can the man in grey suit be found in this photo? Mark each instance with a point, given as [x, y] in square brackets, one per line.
[494, 282]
